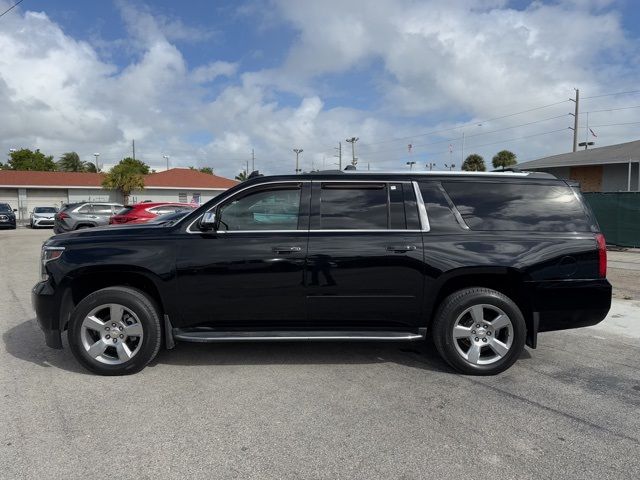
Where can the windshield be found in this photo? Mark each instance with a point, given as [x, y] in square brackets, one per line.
[124, 210]
[170, 218]
[4, 207]
[45, 210]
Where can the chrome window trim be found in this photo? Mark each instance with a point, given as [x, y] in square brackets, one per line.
[422, 209]
[215, 205]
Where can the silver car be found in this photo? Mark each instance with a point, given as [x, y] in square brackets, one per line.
[84, 215]
[42, 217]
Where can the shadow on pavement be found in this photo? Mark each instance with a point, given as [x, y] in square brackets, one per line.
[26, 342]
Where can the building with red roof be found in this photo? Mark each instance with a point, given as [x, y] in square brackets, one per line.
[25, 190]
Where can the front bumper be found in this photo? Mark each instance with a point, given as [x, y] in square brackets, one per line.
[42, 222]
[47, 308]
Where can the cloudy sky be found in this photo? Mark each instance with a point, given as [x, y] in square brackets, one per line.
[206, 82]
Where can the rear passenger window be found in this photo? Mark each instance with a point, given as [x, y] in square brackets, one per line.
[101, 209]
[439, 212]
[516, 206]
[353, 206]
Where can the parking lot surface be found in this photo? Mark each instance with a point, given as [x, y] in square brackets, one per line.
[569, 409]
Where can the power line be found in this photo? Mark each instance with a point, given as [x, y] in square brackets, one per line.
[11, 8]
[612, 94]
[611, 109]
[376, 152]
[614, 124]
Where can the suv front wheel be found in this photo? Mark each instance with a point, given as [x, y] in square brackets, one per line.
[479, 331]
[115, 331]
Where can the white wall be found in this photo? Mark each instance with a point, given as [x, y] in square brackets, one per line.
[171, 195]
[93, 195]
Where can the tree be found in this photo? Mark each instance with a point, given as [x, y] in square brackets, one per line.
[242, 176]
[90, 167]
[504, 159]
[25, 159]
[474, 163]
[70, 162]
[126, 176]
[208, 170]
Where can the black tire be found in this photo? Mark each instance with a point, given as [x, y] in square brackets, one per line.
[455, 305]
[134, 300]
[80, 227]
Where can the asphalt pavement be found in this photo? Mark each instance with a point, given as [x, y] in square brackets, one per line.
[569, 409]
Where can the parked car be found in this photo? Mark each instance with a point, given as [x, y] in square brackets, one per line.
[42, 217]
[171, 217]
[145, 211]
[7, 216]
[480, 262]
[76, 216]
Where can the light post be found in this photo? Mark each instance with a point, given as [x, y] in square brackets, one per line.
[298, 151]
[352, 141]
[450, 167]
[411, 164]
[166, 157]
[430, 166]
[97, 166]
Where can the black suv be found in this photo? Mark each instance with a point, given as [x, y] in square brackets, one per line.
[480, 263]
[7, 216]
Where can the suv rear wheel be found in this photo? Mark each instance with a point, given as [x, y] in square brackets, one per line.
[479, 331]
[115, 331]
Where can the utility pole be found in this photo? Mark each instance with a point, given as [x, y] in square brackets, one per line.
[352, 141]
[166, 157]
[298, 151]
[133, 147]
[575, 119]
[339, 156]
[253, 160]
[462, 157]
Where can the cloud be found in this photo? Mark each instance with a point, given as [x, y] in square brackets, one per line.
[440, 65]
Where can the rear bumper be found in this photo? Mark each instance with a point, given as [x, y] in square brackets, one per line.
[46, 305]
[565, 304]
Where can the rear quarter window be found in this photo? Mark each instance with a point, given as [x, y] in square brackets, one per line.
[488, 206]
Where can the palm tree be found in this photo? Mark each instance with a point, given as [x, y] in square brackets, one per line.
[242, 176]
[474, 163]
[90, 167]
[124, 179]
[70, 162]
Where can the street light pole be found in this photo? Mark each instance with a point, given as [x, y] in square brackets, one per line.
[298, 151]
[97, 166]
[352, 141]
[431, 165]
[411, 164]
[166, 157]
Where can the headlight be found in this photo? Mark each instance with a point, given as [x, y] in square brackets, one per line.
[48, 254]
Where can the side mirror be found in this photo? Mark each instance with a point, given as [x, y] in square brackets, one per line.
[15, 209]
[209, 222]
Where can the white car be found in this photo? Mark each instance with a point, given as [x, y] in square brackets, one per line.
[42, 217]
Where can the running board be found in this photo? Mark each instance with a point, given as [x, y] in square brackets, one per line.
[213, 336]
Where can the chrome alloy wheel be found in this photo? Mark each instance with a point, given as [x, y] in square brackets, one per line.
[483, 334]
[111, 334]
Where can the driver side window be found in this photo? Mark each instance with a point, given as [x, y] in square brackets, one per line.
[266, 209]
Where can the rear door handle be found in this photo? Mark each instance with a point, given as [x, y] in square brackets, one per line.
[400, 248]
[286, 249]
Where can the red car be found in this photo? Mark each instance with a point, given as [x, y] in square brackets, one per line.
[143, 212]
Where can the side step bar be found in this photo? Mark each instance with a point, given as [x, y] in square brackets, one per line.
[213, 336]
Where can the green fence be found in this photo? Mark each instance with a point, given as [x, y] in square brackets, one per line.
[618, 214]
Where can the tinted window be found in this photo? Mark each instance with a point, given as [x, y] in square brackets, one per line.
[101, 209]
[517, 206]
[397, 219]
[439, 213]
[273, 209]
[84, 209]
[4, 207]
[358, 206]
[45, 210]
[123, 210]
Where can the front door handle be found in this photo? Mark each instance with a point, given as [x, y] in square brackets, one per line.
[286, 249]
[400, 248]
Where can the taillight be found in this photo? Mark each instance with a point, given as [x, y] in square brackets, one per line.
[602, 255]
[62, 215]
